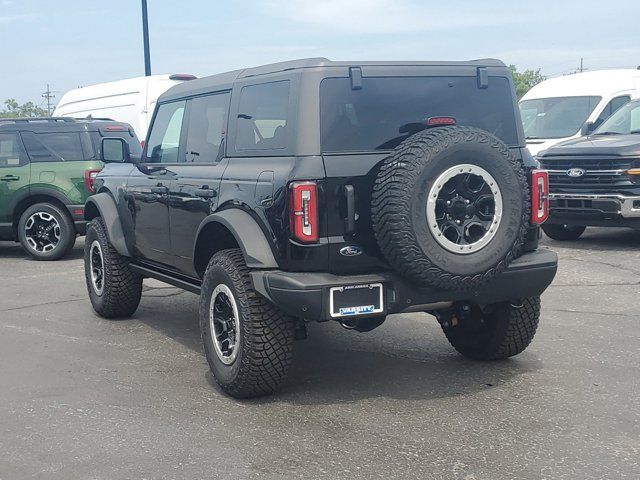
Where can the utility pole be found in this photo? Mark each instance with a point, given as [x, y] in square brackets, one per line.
[48, 95]
[581, 65]
[145, 40]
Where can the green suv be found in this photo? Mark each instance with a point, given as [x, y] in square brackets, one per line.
[47, 167]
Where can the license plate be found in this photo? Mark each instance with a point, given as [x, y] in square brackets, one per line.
[353, 300]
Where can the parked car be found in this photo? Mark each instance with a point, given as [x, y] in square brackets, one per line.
[328, 191]
[595, 180]
[47, 167]
[575, 105]
[130, 101]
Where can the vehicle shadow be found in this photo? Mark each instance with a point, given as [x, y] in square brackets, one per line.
[602, 239]
[15, 250]
[407, 358]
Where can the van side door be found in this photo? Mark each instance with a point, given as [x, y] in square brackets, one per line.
[194, 189]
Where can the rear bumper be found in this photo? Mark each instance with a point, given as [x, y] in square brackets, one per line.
[594, 209]
[77, 214]
[306, 295]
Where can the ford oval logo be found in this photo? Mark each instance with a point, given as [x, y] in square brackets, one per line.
[350, 251]
[575, 172]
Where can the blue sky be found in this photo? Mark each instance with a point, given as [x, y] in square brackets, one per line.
[67, 43]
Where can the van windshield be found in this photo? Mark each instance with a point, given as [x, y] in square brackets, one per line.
[555, 117]
[387, 110]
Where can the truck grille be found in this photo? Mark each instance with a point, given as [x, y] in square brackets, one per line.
[601, 175]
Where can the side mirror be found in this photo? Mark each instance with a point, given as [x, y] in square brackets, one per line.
[587, 128]
[114, 150]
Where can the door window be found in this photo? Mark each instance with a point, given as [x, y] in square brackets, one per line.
[207, 123]
[11, 154]
[262, 117]
[164, 139]
[611, 107]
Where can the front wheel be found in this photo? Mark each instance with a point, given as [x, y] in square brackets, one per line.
[114, 289]
[563, 232]
[248, 342]
[495, 332]
[46, 232]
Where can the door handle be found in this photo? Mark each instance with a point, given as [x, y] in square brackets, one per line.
[10, 178]
[205, 193]
[160, 189]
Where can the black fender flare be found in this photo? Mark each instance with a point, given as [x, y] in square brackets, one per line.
[248, 234]
[107, 209]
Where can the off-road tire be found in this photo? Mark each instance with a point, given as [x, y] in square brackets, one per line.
[67, 231]
[563, 233]
[265, 348]
[399, 201]
[502, 331]
[122, 288]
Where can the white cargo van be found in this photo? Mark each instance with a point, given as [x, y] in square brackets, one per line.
[574, 105]
[131, 100]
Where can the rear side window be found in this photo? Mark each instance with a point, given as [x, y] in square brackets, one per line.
[55, 147]
[207, 123]
[263, 116]
[11, 154]
[164, 139]
[388, 110]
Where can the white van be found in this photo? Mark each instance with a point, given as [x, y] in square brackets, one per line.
[574, 105]
[131, 100]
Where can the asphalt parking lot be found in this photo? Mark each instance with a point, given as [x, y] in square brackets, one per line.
[86, 398]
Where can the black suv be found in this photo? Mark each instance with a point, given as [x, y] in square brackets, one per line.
[47, 167]
[595, 180]
[314, 191]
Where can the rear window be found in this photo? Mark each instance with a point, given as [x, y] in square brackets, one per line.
[387, 110]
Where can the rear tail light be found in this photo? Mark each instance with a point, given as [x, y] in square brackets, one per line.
[89, 178]
[539, 196]
[303, 210]
[142, 143]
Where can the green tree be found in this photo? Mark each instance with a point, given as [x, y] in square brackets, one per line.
[13, 110]
[524, 81]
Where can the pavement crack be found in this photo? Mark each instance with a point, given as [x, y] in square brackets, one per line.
[606, 314]
[59, 302]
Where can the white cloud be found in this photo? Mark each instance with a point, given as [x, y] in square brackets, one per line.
[381, 16]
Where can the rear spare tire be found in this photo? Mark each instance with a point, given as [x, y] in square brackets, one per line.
[450, 207]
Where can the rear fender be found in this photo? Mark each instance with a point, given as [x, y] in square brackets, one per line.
[249, 236]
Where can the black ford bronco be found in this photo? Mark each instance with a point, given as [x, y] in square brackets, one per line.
[595, 180]
[328, 191]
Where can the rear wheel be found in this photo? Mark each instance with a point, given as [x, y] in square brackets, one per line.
[247, 340]
[46, 232]
[563, 232]
[495, 332]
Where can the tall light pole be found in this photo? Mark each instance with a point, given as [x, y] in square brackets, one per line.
[145, 39]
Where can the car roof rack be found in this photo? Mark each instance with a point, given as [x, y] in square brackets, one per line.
[37, 120]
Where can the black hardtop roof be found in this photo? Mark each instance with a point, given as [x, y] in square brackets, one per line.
[53, 124]
[224, 81]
